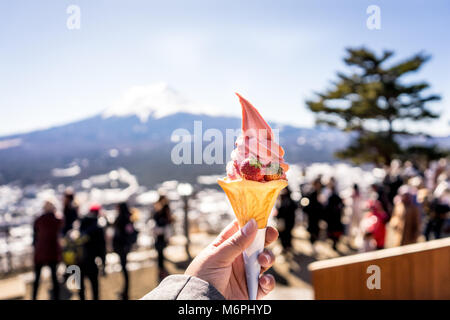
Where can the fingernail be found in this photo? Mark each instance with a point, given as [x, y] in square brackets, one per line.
[249, 227]
[264, 281]
[266, 257]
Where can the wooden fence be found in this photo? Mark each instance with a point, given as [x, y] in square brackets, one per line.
[417, 271]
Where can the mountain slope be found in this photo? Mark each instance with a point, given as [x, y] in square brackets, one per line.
[101, 143]
[143, 145]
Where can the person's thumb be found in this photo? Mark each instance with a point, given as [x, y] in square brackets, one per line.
[238, 242]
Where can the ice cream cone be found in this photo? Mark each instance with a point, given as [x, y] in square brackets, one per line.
[255, 176]
[252, 200]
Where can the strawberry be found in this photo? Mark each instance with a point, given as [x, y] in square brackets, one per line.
[250, 169]
[273, 172]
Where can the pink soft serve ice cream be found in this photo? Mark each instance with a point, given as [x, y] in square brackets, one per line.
[257, 155]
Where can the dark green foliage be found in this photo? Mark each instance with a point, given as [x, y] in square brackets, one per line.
[371, 100]
[370, 147]
[424, 154]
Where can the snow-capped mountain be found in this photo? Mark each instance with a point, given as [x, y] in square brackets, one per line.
[137, 133]
[156, 100]
[102, 143]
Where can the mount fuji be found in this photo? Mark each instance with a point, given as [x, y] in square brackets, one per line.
[135, 133]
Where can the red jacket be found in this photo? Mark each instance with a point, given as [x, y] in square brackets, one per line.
[47, 230]
[377, 223]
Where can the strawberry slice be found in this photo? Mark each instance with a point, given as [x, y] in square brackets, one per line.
[250, 169]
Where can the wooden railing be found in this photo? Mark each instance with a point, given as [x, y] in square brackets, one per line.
[417, 271]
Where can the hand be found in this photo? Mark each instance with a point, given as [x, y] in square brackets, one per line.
[221, 263]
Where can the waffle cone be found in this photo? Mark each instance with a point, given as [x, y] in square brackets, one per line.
[252, 199]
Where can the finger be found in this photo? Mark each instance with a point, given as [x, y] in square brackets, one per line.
[266, 284]
[229, 230]
[231, 248]
[266, 259]
[271, 235]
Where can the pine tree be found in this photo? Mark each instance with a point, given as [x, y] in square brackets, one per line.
[371, 101]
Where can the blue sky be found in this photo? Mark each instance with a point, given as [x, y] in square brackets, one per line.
[276, 53]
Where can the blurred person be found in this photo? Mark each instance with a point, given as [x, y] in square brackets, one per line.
[94, 246]
[409, 170]
[218, 271]
[47, 249]
[369, 243]
[70, 214]
[326, 190]
[438, 211]
[163, 220]
[286, 216]
[70, 210]
[440, 170]
[429, 175]
[125, 235]
[374, 223]
[333, 214]
[422, 198]
[391, 182]
[314, 210]
[357, 211]
[405, 220]
[379, 193]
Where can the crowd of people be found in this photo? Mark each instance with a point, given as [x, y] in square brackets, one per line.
[407, 203]
[77, 240]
